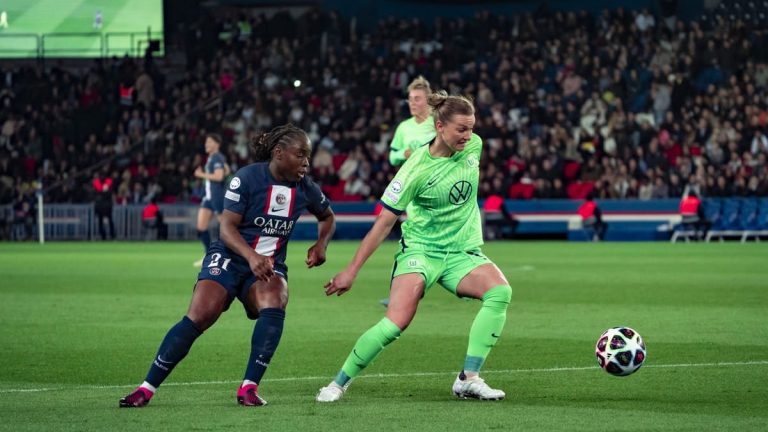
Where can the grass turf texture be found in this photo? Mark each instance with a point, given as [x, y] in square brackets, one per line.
[81, 323]
[77, 16]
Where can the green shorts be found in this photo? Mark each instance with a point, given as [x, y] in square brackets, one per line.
[445, 268]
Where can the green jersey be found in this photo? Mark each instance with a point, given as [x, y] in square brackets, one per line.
[410, 136]
[440, 196]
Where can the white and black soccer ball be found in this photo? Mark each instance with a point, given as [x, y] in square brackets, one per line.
[620, 351]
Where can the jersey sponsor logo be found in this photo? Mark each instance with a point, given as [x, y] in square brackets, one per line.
[274, 227]
[232, 196]
[396, 186]
[276, 209]
[431, 181]
[234, 183]
[215, 271]
[392, 197]
[460, 192]
[471, 161]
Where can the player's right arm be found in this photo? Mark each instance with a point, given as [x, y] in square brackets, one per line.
[260, 265]
[398, 194]
[342, 282]
[236, 201]
[397, 148]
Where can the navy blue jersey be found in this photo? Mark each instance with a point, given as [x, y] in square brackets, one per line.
[214, 190]
[270, 208]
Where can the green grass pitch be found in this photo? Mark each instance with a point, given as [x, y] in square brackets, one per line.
[81, 323]
[72, 17]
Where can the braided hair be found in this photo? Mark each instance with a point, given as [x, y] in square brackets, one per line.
[282, 136]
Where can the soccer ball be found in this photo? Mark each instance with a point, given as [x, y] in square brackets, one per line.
[620, 351]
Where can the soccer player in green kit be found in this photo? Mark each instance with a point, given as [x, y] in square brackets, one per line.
[414, 132]
[417, 130]
[441, 242]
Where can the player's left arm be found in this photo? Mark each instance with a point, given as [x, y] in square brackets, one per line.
[326, 223]
[326, 226]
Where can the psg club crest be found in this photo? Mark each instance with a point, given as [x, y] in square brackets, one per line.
[280, 198]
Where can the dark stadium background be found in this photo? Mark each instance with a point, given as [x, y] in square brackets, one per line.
[573, 98]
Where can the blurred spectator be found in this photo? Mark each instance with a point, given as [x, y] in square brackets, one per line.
[592, 218]
[496, 217]
[24, 215]
[153, 221]
[103, 202]
[692, 213]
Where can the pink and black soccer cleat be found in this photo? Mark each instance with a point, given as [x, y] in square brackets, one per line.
[137, 399]
[248, 395]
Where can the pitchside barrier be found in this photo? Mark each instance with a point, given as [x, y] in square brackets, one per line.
[627, 220]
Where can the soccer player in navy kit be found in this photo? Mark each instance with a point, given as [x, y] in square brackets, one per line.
[216, 170]
[262, 204]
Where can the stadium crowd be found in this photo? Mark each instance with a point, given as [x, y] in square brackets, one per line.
[624, 104]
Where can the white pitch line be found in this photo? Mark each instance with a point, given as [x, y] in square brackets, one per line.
[381, 375]
[521, 268]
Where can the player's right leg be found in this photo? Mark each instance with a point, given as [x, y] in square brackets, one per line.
[209, 300]
[407, 290]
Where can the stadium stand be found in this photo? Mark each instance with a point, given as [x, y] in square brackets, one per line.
[620, 103]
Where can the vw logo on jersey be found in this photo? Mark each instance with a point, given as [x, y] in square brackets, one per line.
[234, 183]
[460, 192]
[471, 161]
[280, 198]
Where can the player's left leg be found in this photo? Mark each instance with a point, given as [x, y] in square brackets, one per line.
[204, 216]
[485, 282]
[267, 301]
[209, 300]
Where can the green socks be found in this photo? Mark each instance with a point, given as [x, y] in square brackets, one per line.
[487, 326]
[483, 335]
[368, 346]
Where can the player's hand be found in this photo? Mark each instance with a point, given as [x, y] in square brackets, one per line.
[340, 283]
[315, 256]
[407, 153]
[199, 172]
[261, 266]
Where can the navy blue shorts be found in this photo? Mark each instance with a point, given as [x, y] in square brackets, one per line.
[233, 273]
[214, 204]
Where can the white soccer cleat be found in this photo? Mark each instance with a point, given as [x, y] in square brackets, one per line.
[475, 388]
[330, 393]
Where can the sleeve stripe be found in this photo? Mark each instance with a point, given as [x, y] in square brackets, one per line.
[392, 209]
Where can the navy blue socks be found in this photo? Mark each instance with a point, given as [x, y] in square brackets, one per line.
[266, 337]
[173, 349]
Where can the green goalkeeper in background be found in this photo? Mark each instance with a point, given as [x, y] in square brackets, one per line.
[440, 244]
[414, 132]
